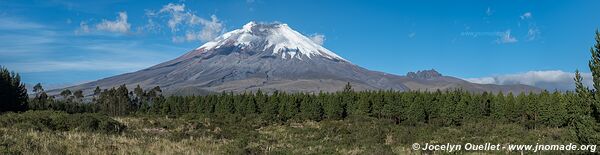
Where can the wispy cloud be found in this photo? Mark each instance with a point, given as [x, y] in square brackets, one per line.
[550, 79]
[179, 18]
[526, 15]
[12, 23]
[120, 25]
[89, 55]
[177, 14]
[506, 38]
[210, 29]
[78, 65]
[318, 38]
[503, 37]
[83, 28]
[21, 36]
[43, 49]
[533, 33]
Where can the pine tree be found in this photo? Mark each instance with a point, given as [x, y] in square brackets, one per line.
[310, 108]
[363, 104]
[559, 109]
[13, 95]
[415, 111]
[270, 108]
[97, 91]
[453, 115]
[594, 62]
[392, 108]
[348, 88]
[288, 106]
[249, 106]
[38, 88]
[594, 65]
[509, 107]
[225, 105]
[498, 108]
[333, 106]
[583, 100]
[139, 93]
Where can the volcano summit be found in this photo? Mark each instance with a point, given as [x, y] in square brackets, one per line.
[273, 57]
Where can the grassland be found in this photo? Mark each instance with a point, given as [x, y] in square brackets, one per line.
[197, 134]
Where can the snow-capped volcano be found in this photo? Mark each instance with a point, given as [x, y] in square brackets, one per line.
[280, 39]
[271, 57]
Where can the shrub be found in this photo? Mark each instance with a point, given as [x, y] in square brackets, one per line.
[61, 121]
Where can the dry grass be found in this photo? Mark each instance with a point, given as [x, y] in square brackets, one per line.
[36, 142]
[140, 138]
[163, 135]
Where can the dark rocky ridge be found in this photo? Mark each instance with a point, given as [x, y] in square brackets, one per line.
[425, 74]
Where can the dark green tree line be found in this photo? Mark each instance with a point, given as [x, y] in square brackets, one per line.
[13, 95]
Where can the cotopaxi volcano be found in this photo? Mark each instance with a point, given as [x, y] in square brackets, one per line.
[273, 57]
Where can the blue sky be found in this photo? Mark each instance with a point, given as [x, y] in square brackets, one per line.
[60, 42]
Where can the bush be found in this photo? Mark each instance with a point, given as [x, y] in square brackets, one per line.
[61, 121]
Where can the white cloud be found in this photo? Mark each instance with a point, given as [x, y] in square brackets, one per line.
[550, 79]
[318, 38]
[179, 18]
[210, 29]
[120, 25]
[482, 80]
[177, 15]
[526, 15]
[505, 37]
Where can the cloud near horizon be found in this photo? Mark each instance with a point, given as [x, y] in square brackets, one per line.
[549, 79]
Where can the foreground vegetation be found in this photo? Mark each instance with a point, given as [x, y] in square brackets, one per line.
[205, 134]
